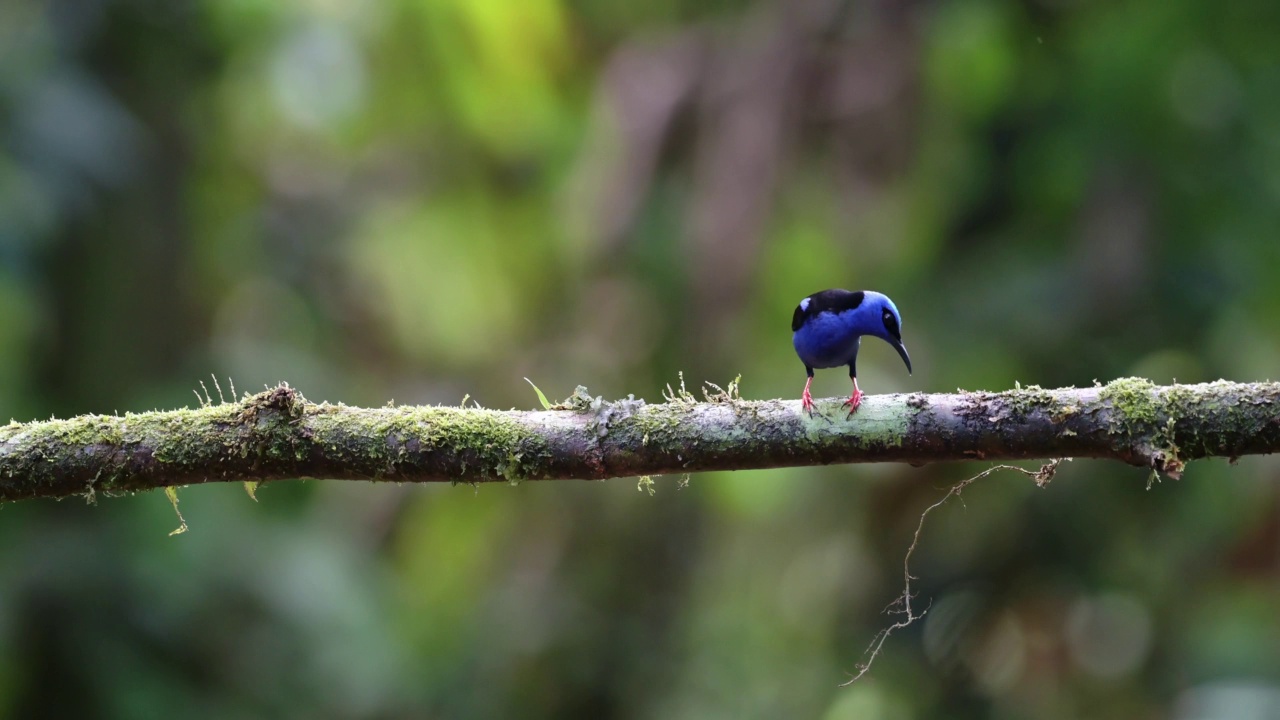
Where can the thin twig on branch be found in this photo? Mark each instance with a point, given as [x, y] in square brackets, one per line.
[902, 607]
[278, 434]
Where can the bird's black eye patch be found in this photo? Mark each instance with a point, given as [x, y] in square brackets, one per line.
[891, 325]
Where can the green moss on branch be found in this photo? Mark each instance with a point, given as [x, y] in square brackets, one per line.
[278, 434]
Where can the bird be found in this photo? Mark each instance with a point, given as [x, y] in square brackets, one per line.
[827, 329]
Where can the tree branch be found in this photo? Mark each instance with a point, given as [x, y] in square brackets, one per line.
[278, 434]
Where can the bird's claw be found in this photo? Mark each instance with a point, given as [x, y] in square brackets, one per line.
[853, 402]
[806, 402]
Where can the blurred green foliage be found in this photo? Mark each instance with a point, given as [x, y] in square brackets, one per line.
[422, 199]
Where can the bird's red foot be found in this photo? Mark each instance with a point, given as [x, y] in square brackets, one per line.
[854, 401]
[806, 400]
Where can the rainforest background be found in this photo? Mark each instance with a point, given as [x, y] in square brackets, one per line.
[421, 200]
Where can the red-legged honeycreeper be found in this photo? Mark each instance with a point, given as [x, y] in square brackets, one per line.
[827, 329]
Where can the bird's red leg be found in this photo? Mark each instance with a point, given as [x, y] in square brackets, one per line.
[855, 399]
[806, 400]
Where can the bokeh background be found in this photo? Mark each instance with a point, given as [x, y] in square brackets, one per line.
[419, 200]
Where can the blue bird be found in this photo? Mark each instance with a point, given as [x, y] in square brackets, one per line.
[827, 330]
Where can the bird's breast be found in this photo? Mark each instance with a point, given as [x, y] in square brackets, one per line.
[825, 342]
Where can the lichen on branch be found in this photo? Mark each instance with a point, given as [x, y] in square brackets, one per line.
[277, 434]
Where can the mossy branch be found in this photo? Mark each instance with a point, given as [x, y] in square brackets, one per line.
[278, 435]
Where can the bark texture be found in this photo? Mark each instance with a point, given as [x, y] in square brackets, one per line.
[278, 435]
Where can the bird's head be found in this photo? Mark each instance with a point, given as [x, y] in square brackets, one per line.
[881, 318]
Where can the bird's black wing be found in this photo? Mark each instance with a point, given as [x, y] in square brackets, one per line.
[836, 301]
[799, 316]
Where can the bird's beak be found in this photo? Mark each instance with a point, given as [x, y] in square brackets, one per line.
[902, 350]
